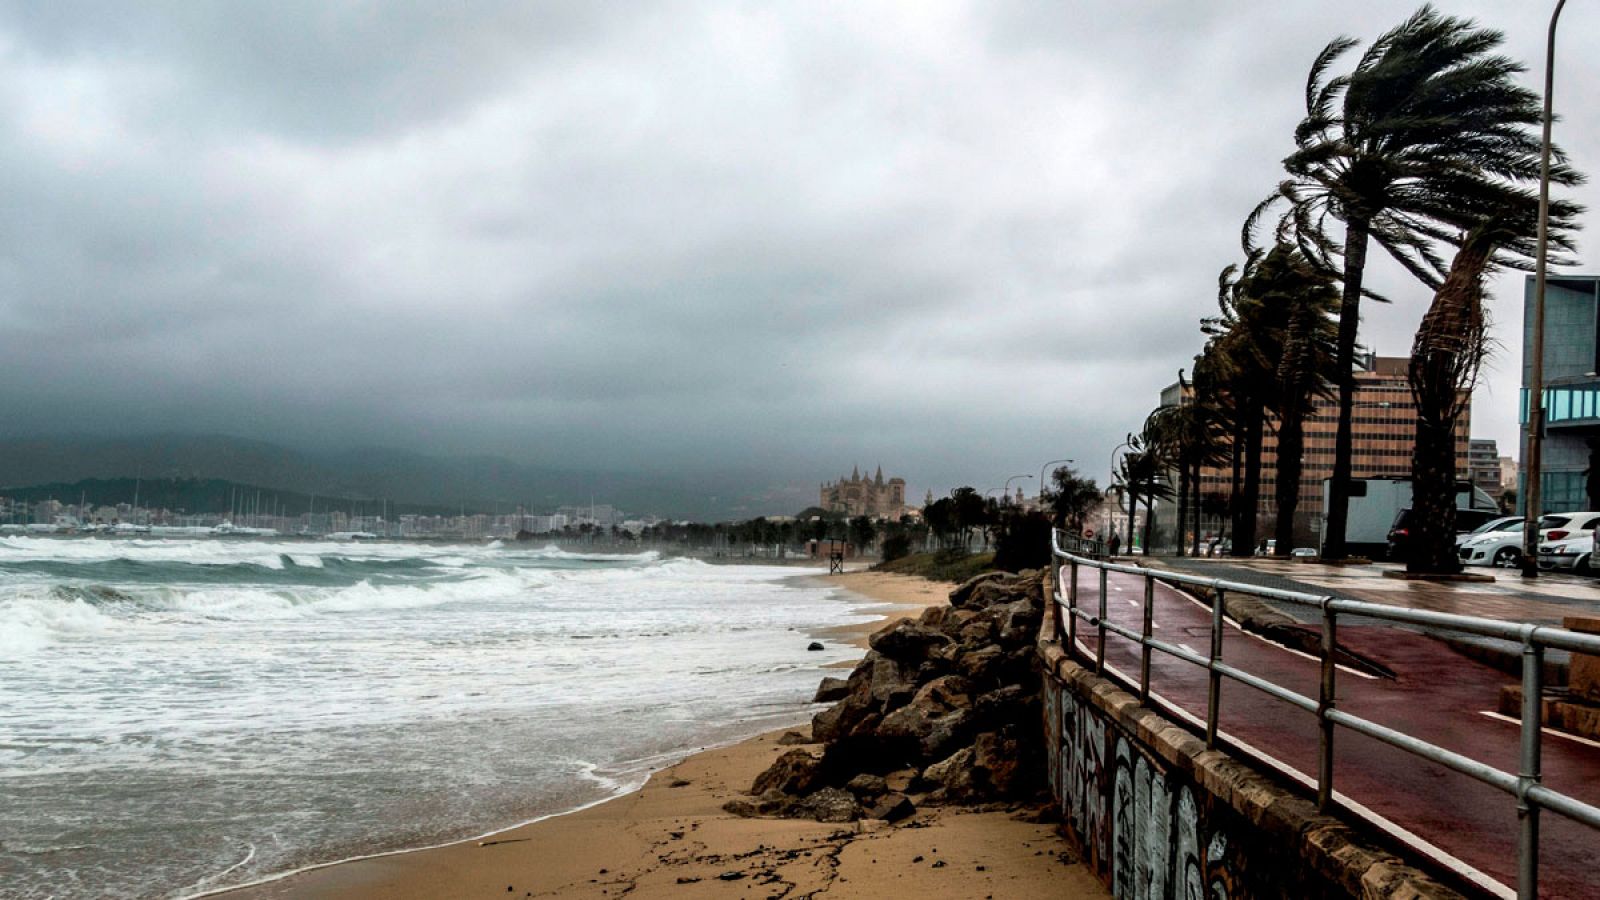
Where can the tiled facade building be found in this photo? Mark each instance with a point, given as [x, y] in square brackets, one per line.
[1384, 432]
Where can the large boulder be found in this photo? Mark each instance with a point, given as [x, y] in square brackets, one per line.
[771, 803]
[839, 719]
[828, 805]
[1011, 703]
[952, 775]
[925, 730]
[906, 640]
[948, 732]
[830, 690]
[909, 724]
[1010, 762]
[960, 596]
[1022, 667]
[945, 693]
[995, 592]
[892, 808]
[856, 754]
[977, 632]
[951, 623]
[795, 772]
[982, 666]
[1017, 623]
[892, 682]
[867, 785]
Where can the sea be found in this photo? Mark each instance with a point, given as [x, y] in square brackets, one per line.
[181, 716]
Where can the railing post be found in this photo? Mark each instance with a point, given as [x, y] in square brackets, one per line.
[1214, 685]
[1100, 627]
[1144, 645]
[1054, 593]
[1072, 610]
[1325, 704]
[1528, 772]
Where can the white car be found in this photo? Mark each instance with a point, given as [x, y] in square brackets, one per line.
[1493, 545]
[1499, 542]
[1503, 523]
[1568, 544]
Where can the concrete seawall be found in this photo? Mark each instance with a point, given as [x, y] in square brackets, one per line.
[1160, 816]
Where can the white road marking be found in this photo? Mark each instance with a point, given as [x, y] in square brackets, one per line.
[1240, 628]
[1553, 732]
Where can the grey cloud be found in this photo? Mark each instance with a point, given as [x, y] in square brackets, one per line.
[956, 239]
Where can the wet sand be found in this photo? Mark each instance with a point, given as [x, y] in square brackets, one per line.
[672, 839]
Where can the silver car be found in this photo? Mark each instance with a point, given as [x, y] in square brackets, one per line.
[1569, 545]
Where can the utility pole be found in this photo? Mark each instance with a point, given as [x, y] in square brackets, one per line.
[1533, 464]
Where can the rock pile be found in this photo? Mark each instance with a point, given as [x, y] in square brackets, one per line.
[943, 709]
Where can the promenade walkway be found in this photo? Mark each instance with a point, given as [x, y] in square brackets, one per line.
[1437, 695]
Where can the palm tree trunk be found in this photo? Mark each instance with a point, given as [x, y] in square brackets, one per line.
[1431, 544]
[1291, 444]
[1355, 262]
[1149, 522]
[1251, 506]
[1236, 462]
[1195, 486]
[1444, 363]
[1183, 502]
[1133, 505]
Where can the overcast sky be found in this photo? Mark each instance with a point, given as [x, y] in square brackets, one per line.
[956, 239]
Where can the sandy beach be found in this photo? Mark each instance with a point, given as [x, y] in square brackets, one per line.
[672, 838]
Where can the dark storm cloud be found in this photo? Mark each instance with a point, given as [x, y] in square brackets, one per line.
[957, 239]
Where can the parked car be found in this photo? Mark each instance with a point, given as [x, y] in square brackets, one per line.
[1467, 521]
[1499, 543]
[1570, 544]
[1503, 523]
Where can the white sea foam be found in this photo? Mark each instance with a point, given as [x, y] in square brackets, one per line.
[162, 683]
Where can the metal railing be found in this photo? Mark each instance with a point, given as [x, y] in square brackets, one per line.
[1524, 785]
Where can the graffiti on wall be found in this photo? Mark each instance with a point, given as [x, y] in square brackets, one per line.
[1144, 829]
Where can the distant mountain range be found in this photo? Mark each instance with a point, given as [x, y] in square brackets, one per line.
[374, 475]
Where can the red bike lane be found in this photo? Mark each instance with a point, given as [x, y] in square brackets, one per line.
[1437, 695]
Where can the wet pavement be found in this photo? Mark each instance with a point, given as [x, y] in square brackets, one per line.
[1544, 600]
[1436, 695]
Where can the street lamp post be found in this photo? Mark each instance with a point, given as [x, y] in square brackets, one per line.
[1042, 481]
[1533, 464]
[1112, 467]
[1005, 492]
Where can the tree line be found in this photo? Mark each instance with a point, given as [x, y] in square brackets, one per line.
[1422, 144]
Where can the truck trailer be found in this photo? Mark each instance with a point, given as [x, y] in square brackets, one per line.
[1375, 503]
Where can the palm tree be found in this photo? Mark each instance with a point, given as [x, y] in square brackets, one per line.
[1408, 149]
[1188, 435]
[1270, 353]
[1242, 338]
[1143, 472]
[1445, 357]
[1306, 351]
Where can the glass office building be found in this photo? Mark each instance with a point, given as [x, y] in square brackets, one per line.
[1571, 389]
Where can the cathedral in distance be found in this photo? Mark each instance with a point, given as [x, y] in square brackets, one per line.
[862, 496]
